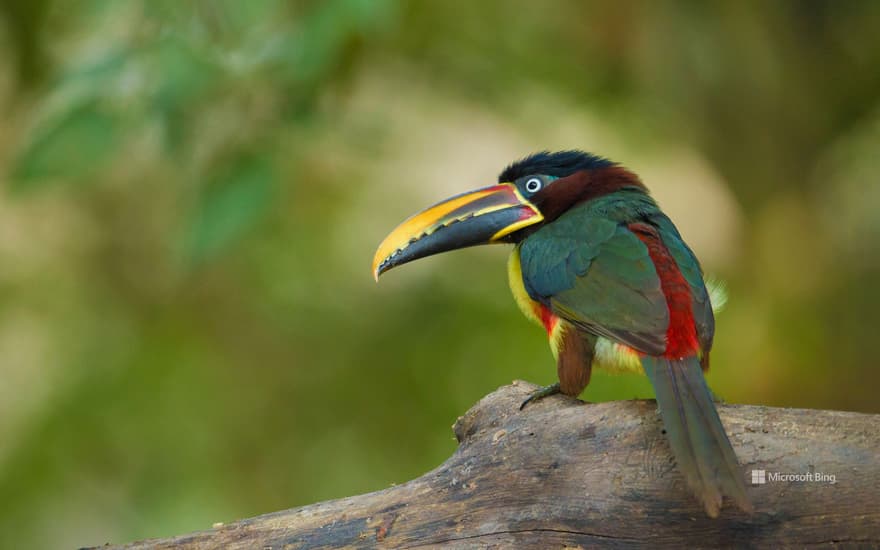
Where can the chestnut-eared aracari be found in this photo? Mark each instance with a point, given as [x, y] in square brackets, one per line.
[607, 274]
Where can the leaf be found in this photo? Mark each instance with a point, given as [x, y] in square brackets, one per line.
[230, 205]
[74, 146]
[325, 37]
[182, 73]
[97, 71]
[181, 76]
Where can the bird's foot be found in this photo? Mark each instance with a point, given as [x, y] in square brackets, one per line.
[541, 393]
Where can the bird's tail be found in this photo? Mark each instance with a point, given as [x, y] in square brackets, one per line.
[695, 432]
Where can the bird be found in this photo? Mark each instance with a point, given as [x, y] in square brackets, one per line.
[607, 274]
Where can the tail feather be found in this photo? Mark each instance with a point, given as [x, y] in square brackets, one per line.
[696, 435]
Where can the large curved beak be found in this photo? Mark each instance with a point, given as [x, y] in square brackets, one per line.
[479, 217]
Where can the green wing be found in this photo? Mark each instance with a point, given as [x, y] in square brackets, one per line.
[592, 271]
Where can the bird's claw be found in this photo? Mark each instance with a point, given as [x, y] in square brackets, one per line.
[541, 393]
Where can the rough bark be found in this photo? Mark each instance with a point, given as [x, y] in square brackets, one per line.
[563, 473]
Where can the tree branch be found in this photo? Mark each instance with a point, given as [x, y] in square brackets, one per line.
[565, 473]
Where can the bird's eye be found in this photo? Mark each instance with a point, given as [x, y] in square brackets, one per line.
[533, 185]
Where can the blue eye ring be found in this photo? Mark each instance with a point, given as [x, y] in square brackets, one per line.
[533, 185]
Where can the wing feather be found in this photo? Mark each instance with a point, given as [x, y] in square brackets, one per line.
[595, 273]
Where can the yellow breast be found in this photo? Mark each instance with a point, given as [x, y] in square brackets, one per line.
[530, 308]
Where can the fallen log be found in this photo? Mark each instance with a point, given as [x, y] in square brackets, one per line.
[563, 473]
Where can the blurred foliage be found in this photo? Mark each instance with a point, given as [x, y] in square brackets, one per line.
[192, 192]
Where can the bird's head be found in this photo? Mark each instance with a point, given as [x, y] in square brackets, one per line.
[531, 192]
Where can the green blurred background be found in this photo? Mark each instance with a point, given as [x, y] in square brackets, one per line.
[192, 193]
